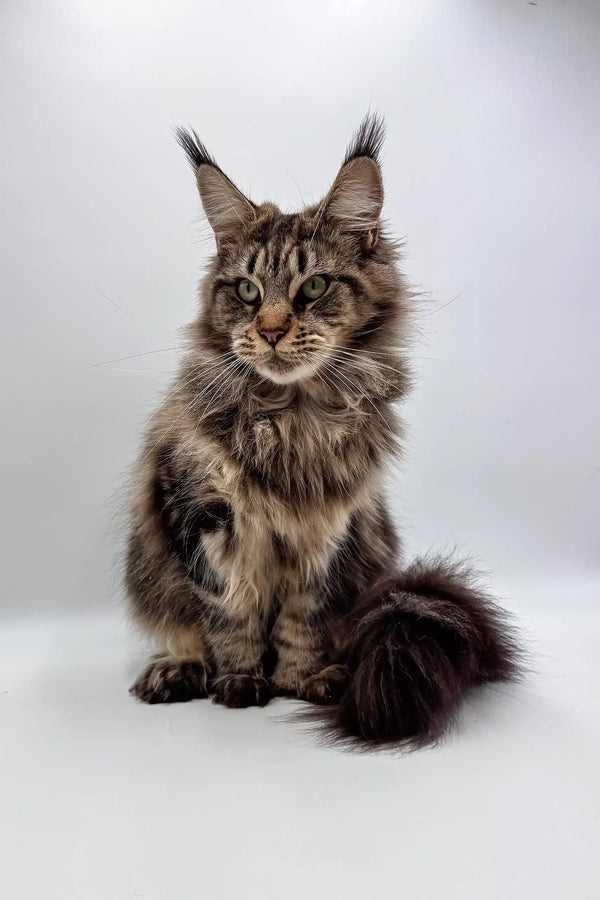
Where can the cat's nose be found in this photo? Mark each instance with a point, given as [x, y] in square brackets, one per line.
[272, 335]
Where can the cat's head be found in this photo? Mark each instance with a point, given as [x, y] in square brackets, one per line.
[295, 294]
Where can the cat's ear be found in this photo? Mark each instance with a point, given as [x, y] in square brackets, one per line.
[355, 200]
[227, 209]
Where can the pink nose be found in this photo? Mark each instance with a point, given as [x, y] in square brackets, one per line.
[272, 335]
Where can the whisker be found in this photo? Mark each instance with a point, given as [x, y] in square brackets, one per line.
[370, 352]
[236, 368]
[141, 371]
[360, 365]
[335, 370]
[318, 222]
[116, 305]
[135, 356]
[444, 305]
[186, 409]
[214, 382]
[297, 185]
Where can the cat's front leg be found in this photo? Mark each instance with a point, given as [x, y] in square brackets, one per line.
[298, 636]
[237, 643]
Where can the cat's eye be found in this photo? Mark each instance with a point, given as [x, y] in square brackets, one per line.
[247, 291]
[314, 287]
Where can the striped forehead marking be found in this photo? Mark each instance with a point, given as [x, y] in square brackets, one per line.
[278, 257]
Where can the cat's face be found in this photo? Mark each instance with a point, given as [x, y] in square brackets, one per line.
[288, 293]
[287, 301]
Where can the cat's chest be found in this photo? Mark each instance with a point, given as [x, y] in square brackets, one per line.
[309, 437]
[292, 484]
[303, 459]
[273, 537]
[275, 546]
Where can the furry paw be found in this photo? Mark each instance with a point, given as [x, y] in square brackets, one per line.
[168, 680]
[239, 691]
[326, 687]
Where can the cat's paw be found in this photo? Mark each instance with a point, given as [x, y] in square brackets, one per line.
[326, 687]
[238, 691]
[168, 680]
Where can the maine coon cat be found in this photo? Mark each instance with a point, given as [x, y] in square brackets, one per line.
[262, 558]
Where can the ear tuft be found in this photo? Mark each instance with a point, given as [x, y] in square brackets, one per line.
[355, 200]
[195, 150]
[367, 139]
[227, 209]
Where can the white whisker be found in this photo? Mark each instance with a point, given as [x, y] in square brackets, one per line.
[109, 362]
[335, 370]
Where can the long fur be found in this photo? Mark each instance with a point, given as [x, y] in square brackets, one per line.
[419, 642]
[262, 554]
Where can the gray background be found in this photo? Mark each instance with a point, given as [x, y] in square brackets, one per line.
[491, 176]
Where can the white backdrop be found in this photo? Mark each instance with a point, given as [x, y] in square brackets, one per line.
[491, 174]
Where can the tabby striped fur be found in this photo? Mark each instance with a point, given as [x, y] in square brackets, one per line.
[258, 522]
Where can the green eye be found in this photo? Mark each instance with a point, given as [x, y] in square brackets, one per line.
[247, 291]
[314, 287]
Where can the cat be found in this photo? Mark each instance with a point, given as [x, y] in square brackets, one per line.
[262, 558]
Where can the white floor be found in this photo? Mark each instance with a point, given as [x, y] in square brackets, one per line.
[105, 798]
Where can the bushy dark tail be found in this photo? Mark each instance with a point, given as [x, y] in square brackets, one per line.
[419, 642]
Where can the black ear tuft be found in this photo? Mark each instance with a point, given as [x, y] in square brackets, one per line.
[368, 138]
[195, 150]
[227, 209]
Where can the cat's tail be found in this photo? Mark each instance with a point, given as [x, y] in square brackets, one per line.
[419, 641]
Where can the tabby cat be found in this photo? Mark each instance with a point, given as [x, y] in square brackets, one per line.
[262, 557]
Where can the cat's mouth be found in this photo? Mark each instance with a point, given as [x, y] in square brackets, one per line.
[283, 362]
[285, 368]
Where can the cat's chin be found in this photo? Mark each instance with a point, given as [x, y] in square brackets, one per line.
[281, 372]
